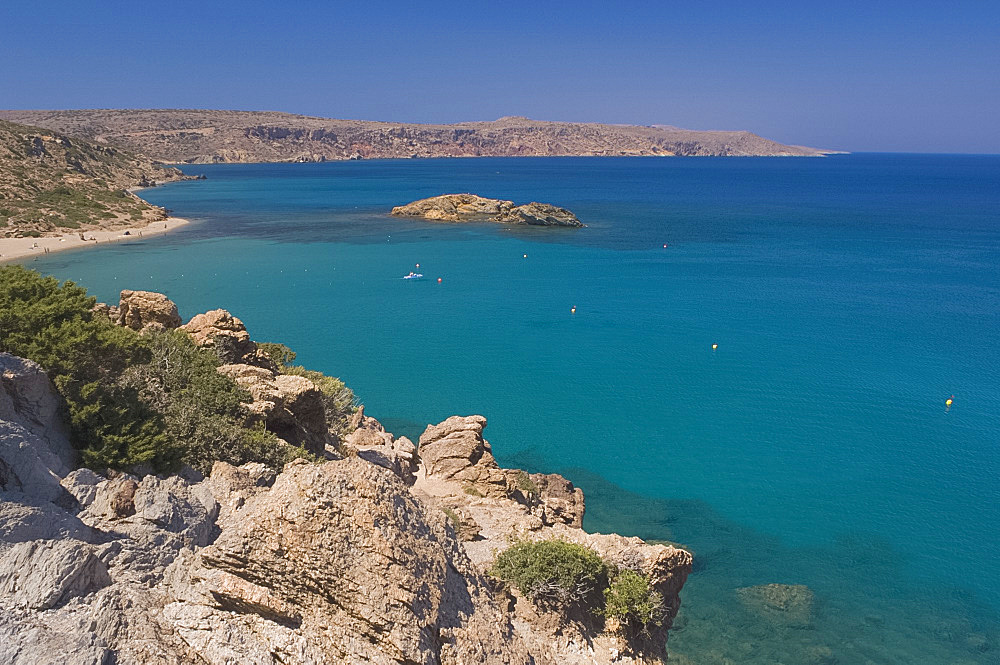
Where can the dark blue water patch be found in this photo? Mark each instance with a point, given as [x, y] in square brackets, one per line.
[680, 201]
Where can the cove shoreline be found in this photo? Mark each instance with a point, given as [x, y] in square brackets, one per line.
[14, 249]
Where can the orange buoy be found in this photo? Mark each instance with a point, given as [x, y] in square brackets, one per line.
[418, 265]
[664, 245]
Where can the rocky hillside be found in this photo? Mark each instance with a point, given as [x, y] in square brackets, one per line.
[366, 550]
[52, 183]
[250, 136]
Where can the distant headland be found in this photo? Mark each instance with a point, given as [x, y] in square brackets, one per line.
[205, 136]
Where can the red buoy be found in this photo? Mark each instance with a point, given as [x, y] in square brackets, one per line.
[439, 280]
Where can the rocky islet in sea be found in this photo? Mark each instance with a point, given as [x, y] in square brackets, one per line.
[473, 208]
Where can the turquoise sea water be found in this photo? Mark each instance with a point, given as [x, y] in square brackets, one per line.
[849, 297]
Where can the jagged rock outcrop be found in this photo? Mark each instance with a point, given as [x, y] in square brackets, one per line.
[40, 574]
[139, 309]
[321, 563]
[235, 485]
[539, 214]
[290, 406]
[372, 443]
[398, 589]
[35, 451]
[470, 208]
[220, 330]
[460, 475]
[453, 207]
[455, 450]
[559, 499]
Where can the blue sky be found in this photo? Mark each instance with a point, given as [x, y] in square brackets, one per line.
[883, 76]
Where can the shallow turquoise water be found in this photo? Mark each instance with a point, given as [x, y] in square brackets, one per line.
[849, 297]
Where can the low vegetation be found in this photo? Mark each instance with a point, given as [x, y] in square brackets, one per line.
[131, 399]
[557, 575]
[553, 573]
[202, 410]
[526, 485]
[632, 602]
[453, 517]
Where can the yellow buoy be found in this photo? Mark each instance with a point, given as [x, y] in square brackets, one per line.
[525, 256]
[715, 346]
[573, 310]
[948, 401]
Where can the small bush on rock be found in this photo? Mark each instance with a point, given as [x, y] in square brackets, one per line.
[280, 354]
[456, 522]
[526, 484]
[552, 572]
[632, 602]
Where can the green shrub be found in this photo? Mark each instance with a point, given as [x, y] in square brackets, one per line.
[338, 399]
[280, 354]
[52, 324]
[526, 484]
[632, 602]
[472, 491]
[202, 409]
[131, 399]
[552, 572]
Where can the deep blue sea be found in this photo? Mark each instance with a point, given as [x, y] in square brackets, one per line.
[849, 297]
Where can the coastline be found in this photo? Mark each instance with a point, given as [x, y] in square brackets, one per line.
[13, 249]
[297, 160]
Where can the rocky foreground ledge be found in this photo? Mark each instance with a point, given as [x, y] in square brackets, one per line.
[375, 552]
[472, 208]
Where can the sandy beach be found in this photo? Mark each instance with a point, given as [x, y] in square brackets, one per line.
[12, 249]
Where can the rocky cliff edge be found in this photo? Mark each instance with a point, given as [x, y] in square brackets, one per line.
[379, 556]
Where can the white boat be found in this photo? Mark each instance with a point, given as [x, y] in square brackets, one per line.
[413, 275]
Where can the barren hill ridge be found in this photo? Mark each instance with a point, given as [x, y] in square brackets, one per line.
[199, 136]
